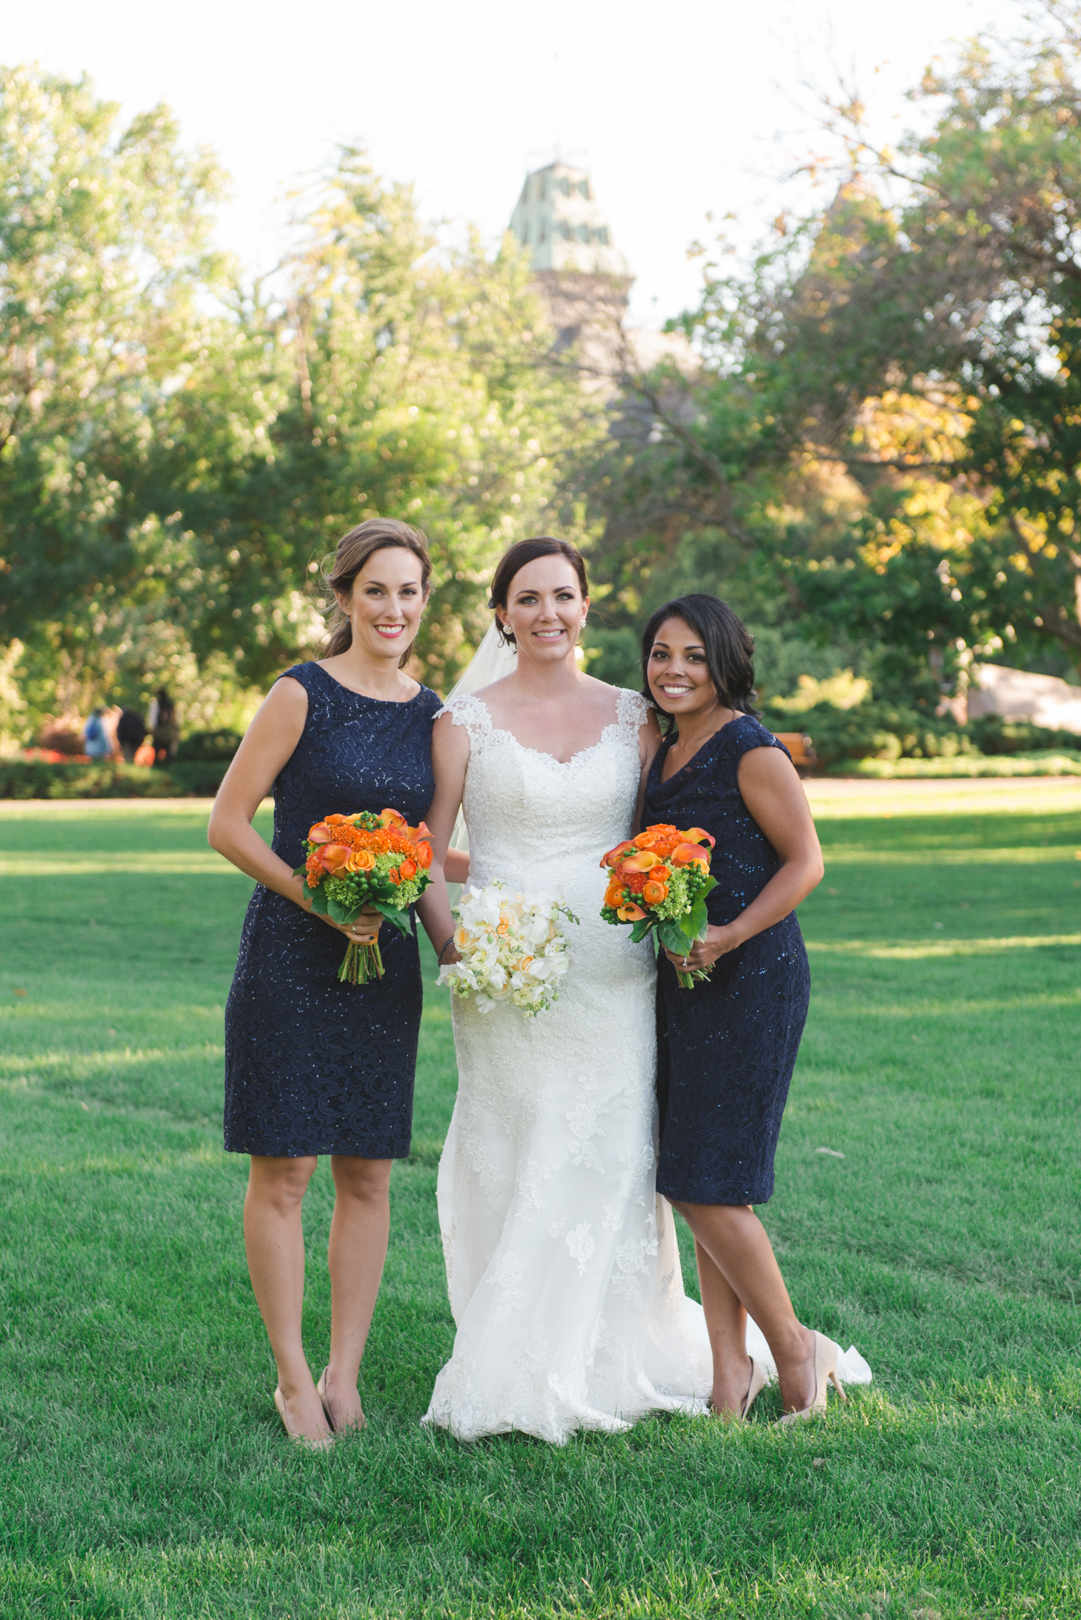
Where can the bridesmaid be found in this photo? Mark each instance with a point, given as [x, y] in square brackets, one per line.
[312, 1065]
[728, 1046]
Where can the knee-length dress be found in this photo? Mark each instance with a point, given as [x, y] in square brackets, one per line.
[313, 1065]
[727, 1048]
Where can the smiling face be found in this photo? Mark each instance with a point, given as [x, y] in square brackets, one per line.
[545, 609]
[679, 676]
[385, 604]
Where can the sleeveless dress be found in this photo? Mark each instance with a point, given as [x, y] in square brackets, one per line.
[562, 1264]
[312, 1065]
[727, 1048]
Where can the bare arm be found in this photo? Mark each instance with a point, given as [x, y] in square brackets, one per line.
[774, 795]
[269, 742]
[450, 758]
[649, 740]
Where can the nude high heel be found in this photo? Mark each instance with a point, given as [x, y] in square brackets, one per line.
[827, 1355]
[294, 1434]
[754, 1388]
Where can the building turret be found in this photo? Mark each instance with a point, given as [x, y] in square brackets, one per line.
[559, 220]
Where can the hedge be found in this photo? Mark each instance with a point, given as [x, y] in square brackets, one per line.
[1044, 763]
[38, 779]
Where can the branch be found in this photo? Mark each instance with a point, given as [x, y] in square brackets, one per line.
[702, 458]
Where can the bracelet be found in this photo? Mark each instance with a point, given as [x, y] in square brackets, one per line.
[439, 953]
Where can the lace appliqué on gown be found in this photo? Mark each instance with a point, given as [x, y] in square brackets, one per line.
[562, 1263]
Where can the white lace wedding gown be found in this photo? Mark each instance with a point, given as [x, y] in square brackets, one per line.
[562, 1264]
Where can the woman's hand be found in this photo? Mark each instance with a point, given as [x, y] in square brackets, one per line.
[704, 952]
[365, 931]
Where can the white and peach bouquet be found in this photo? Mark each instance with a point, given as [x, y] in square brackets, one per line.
[512, 949]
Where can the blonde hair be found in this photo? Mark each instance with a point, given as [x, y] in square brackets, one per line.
[354, 549]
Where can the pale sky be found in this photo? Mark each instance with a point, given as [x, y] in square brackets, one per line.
[678, 109]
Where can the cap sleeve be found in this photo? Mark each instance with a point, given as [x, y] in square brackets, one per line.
[748, 733]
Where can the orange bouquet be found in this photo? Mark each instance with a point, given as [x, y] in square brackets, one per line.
[361, 862]
[660, 880]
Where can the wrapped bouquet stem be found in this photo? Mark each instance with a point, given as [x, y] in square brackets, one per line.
[511, 949]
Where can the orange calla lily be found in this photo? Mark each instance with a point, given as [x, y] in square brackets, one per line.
[640, 863]
[698, 835]
[688, 854]
[613, 854]
[335, 857]
[630, 913]
[320, 834]
[394, 819]
[335, 821]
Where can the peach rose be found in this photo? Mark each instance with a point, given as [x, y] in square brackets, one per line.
[361, 860]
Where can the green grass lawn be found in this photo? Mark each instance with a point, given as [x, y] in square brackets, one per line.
[143, 1470]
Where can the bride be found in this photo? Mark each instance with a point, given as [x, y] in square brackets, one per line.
[562, 1263]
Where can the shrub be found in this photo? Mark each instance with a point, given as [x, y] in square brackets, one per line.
[203, 746]
[37, 779]
[872, 730]
[994, 735]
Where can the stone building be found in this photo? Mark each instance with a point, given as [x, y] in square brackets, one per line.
[585, 280]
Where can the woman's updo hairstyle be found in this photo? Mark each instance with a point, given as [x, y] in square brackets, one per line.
[527, 551]
[729, 649]
[354, 549]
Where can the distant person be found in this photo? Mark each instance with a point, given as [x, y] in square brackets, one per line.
[96, 742]
[163, 727]
[130, 731]
[313, 1065]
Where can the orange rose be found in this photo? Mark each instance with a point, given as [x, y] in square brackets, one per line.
[654, 893]
[361, 860]
[613, 854]
[407, 870]
[630, 913]
[613, 895]
[335, 857]
[395, 875]
[660, 874]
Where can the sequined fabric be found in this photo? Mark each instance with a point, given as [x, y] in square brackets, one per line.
[311, 1065]
[727, 1048]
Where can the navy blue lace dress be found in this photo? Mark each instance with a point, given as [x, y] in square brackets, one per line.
[312, 1065]
[727, 1048]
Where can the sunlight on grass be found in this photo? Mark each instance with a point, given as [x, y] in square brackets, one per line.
[940, 947]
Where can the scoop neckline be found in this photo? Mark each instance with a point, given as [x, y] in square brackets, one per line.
[662, 753]
[391, 703]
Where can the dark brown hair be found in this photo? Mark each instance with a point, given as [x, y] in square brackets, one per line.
[354, 549]
[527, 551]
[728, 645]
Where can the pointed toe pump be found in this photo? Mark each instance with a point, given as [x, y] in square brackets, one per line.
[827, 1355]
